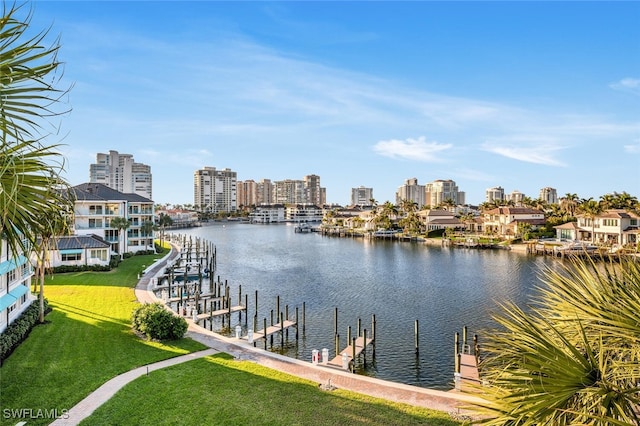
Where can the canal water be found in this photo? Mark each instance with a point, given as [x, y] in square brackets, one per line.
[444, 289]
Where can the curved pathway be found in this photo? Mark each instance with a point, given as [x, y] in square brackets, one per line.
[327, 377]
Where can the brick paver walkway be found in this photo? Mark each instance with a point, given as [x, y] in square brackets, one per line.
[451, 402]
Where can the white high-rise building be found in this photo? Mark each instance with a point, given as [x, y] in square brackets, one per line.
[549, 195]
[516, 197]
[411, 191]
[214, 190]
[439, 191]
[495, 194]
[122, 173]
[361, 196]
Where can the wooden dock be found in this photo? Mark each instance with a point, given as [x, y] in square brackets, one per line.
[220, 312]
[352, 351]
[466, 374]
[275, 328]
[469, 374]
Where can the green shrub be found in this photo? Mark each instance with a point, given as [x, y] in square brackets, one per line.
[81, 268]
[154, 321]
[19, 329]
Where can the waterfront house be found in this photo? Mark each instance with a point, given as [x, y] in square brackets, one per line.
[504, 221]
[268, 213]
[440, 219]
[79, 250]
[612, 227]
[96, 205]
[15, 278]
[303, 213]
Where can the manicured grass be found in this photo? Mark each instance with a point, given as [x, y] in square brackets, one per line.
[219, 390]
[86, 341]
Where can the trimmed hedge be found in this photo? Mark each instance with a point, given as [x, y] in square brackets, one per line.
[19, 329]
[81, 268]
[154, 321]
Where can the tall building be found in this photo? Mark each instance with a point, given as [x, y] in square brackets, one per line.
[516, 197]
[549, 195]
[214, 191]
[439, 191]
[247, 193]
[290, 191]
[122, 173]
[494, 194]
[411, 191]
[264, 192]
[314, 192]
[361, 196]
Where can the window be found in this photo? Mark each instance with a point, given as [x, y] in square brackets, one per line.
[99, 254]
[71, 257]
[95, 223]
[95, 210]
[11, 275]
[610, 222]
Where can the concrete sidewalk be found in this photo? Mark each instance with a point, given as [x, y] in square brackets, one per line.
[326, 377]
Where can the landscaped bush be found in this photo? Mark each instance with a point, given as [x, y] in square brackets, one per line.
[154, 321]
[81, 268]
[18, 330]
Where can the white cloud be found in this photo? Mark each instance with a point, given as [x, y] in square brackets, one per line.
[631, 85]
[411, 149]
[633, 148]
[541, 152]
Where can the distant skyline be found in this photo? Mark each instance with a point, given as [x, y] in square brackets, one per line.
[522, 95]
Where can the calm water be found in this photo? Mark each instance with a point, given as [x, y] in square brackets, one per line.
[398, 282]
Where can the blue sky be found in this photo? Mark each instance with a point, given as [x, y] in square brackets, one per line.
[521, 95]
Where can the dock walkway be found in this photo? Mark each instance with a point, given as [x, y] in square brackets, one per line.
[351, 351]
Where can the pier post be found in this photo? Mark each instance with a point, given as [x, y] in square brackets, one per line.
[359, 328]
[337, 341]
[282, 329]
[296, 323]
[364, 347]
[246, 308]
[335, 321]
[304, 314]
[264, 332]
[353, 354]
[256, 302]
[464, 336]
[415, 334]
[373, 334]
[277, 307]
[349, 334]
[457, 353]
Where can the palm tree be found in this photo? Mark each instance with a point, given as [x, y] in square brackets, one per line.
[121, 224]
[573, 357]
[147, 228]
[29, 169]
[569, 203]
[164, 220]
[54, 223]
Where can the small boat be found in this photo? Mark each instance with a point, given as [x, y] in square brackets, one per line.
[303, 228]
[576, 247]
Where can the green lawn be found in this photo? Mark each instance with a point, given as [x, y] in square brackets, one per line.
[86, 341]
[219, 390]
